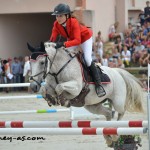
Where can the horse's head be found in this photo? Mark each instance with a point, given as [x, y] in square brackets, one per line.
[38, 62]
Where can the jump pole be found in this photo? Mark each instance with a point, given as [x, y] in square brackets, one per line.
[72, 124]
[148, 105]
[15, 85]
[35, 111]
[72, 131]
[21, 97]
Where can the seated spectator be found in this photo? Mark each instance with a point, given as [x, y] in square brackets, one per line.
[129, 30]
[105, 60]
[113, 31]
[115, 54]
[120, 63]
[145, 42]
[146, 31]
[144, 59]
[129, 43]
[118, 44]
[126, 56]
[136, 31]
[112, 62]
[138, 51]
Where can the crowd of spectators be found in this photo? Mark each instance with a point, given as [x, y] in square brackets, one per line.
[15, 70]
[131, 48]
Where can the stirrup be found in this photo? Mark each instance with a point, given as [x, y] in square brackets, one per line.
[100, 91]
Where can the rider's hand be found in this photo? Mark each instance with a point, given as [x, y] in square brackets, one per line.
[59, 44]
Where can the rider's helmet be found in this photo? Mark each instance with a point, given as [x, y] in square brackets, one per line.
[61, 9]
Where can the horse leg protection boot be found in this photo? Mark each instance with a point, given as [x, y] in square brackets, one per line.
[97, 79]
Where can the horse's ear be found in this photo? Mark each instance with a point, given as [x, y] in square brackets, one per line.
[32, 49]
[42, 47]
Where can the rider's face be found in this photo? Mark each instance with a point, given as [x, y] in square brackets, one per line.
[61, 18]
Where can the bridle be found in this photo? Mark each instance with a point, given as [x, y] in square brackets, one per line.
[42, 72]
[46, 72]
[55, 75]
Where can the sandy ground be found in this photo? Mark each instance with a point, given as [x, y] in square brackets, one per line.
[76, 142]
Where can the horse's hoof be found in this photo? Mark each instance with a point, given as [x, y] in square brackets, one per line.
[111, 145]
[115, 138]
[49, 103]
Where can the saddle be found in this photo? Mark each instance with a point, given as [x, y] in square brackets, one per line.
[86, 74]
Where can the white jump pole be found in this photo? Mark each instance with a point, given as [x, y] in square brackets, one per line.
[21, 97]
[72, 131]
[15, 85]
[71, 124]
[148, 106]
[34, 111]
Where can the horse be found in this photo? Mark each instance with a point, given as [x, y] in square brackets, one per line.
[64, 84]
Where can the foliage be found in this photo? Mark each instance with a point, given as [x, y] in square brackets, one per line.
[130, 142]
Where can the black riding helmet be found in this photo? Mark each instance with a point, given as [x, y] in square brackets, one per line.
[61, 9]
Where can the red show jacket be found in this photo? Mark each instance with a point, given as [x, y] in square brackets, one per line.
[75, 32]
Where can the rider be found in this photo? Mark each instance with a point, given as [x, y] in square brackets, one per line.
[76, 34]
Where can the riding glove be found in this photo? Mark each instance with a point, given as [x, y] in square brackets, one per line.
[59, 44]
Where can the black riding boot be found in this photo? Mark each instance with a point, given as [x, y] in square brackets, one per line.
[96, 77]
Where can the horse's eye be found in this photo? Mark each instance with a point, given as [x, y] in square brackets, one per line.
[42, 63]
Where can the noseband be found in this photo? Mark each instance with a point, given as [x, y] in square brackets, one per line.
[44, 72]
[56, 74]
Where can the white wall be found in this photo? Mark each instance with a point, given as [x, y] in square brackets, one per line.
[104, 15]
[31, 6]
[18, 29]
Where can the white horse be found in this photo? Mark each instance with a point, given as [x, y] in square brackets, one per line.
[64, 82]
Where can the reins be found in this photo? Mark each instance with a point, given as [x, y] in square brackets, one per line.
[56, 74]
[46, 72]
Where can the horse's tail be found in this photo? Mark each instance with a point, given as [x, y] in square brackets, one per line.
[135, 94]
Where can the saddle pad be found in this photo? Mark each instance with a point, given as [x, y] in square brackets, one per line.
[88, 78]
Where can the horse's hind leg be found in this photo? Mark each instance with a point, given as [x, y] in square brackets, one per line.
[100, 109]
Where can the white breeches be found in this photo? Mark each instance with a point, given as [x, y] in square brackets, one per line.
[87, 50]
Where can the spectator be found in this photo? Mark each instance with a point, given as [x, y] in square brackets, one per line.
[138, 51]
[115, 54]
[21, 61]
[129, 43]
[98, 37]
[113, 31]
[129, 30]
[105, 61]
[16, 69]
[136, 31]
[143, 61]
[7, 74]
[118, 44]
[99, 47]
[147, 12]
[146, 31]
[142, 17]
[26, 71]
[120, 63]
[126, 56]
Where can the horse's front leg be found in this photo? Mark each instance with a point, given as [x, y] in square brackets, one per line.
[66, 91]
[71, 87]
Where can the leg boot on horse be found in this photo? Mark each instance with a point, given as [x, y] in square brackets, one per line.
[97, 79]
